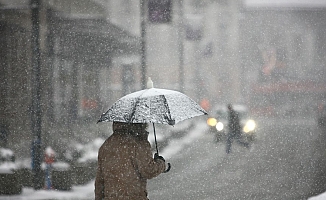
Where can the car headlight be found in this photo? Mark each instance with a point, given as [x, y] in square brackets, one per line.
[250, 126]
[219, 126]
[211, 121]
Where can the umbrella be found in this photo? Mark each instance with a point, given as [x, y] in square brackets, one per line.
[153, 105]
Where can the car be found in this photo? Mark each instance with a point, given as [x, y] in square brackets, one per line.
[218, 122]
[321, 115]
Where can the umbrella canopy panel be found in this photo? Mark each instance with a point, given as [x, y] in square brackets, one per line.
[153, 106]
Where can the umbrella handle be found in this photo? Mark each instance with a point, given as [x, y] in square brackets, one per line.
[168, 169]
[155, 139]
[169, 165]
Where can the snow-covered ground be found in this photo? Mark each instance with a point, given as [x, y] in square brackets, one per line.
[319, 197]
[87, 191]
[76, 193]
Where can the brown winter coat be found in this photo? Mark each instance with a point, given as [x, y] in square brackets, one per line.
[125, 163]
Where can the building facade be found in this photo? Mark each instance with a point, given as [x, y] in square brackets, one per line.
[91, 56]
[83, 57]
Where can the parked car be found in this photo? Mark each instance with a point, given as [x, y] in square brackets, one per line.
[218, 123]
[321, 115]
[9, 180]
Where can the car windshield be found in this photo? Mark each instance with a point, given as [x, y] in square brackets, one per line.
[242, 115]
[220, 114]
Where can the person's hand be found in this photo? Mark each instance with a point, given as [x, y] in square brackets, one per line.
[156, 156]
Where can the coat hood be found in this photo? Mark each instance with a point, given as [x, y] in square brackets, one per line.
[129, 128]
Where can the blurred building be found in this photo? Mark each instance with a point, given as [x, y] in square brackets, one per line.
[91, 56]
[283, 62]
[83, 57]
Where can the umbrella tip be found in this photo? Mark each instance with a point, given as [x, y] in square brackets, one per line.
[150, 83]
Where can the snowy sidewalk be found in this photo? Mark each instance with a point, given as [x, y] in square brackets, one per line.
[84, 192]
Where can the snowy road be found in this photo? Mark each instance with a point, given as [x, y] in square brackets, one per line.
[286, 162]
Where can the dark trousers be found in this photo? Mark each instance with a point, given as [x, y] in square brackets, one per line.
[237, 137]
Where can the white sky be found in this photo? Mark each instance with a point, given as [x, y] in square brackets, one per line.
[286, 3]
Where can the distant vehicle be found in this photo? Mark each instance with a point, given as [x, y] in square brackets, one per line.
[321, 115]
[218, 123]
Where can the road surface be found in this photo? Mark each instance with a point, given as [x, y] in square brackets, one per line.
[286, 162]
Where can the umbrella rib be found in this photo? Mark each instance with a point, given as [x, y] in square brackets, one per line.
[134, 108]
[167, 106]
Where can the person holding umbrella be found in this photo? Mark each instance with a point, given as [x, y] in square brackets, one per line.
[125, 163]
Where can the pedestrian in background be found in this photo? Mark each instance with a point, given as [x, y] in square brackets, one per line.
[125, 163]
[234, 129]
